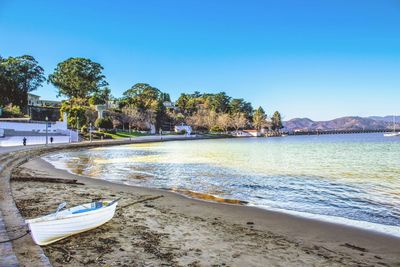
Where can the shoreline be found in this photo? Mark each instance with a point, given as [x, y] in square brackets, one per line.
[317, 238]
[202, 197]
[375, 228]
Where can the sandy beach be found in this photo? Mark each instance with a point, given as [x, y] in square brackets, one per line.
[174, 230]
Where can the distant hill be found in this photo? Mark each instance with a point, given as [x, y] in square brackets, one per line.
[344, 123]
[385, 118]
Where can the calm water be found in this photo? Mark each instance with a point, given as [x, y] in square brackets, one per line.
[351, 179]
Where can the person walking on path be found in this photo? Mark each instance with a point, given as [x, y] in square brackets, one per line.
[51, 139]
[24, 141]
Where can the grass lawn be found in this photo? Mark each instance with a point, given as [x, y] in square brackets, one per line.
[125, 134]
[218, 134]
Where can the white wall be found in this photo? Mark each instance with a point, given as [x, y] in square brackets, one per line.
[241, 133]
[54, 128]
[57, 126]
[254, 134]
[73, 135]
[32, 140]
[180, 128]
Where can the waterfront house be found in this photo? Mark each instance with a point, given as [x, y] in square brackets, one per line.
[39, 109]
[254, 133]
[35, 101]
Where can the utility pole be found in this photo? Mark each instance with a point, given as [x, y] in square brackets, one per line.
[47, 125]
[77, 127]
[90, 132]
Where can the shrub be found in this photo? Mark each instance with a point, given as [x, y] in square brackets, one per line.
[12, 111]
[84, 129]
[216, 129]
[76, 113]
[104, 123]
[112, 131]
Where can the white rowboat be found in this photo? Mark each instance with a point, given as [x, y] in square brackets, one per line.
[61, 224]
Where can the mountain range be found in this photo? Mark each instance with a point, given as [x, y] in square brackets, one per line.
[343, 123]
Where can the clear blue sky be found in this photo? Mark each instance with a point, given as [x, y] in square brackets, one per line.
[317, 59]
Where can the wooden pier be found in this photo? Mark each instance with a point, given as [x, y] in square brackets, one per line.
[355, 131]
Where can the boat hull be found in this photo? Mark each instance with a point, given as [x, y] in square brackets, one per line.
[47, 232]
[391, 134]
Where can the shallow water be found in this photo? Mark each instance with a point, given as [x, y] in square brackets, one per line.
[352, 179]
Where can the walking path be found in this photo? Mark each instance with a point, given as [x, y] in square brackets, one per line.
[10, 218]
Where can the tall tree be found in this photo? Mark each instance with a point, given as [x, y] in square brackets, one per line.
[165, 97]
[238, 105]
[238, 121]
[224, 121]
[100, 97]
[276, 121]
[182, 102]
[138, 119]
[203, 119]
[5, 84]
[76, 111]
[78, 78]
[259, 118]
[18, 77]
[189, 103]
[143, 96]
[220, 102]
[146, 98]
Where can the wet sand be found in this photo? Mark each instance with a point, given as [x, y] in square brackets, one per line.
[174, 230]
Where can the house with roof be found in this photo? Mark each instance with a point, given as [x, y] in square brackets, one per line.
[35, 101]
[248, 133]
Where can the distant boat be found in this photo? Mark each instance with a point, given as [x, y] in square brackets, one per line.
[391, 134]
[394, 133]
[61, 224]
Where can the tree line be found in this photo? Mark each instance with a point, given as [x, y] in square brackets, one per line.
[84, 85]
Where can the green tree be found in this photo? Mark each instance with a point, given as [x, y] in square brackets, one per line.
[143, 96]
[276, 121]
[78, 78]
[220, 102]
[238, 105]
[165, 97]
[100, 97]
[182, 101]
[76, 113]
[259, 118]
[18, 77]
[189, 103]
[148, 99]
[104, 123]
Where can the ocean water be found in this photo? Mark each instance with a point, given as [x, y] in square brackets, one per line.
[351, 179]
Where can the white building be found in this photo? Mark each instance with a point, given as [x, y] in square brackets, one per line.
[186, 128]
[34, 100]
[169, 105]
[248, 133]
[113, 104]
